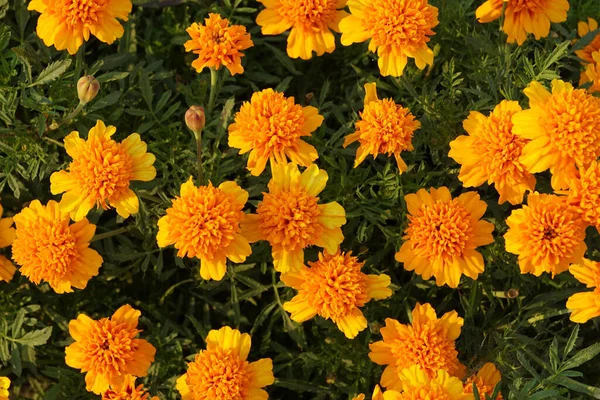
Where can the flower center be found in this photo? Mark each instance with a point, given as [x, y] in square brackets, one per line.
[426, 393]
[553, 233]
[78, 12]
[309, 14]
[109, 347]
[534, 6]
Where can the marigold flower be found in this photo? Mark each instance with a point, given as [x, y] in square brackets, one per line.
[398, 29]
[586, 305]
[442, 235]
[66, 24]
[546, 235]
[524, 16]
[592, 74]
[418, 384]
[223, 372]
[127, 390]
[384, 128]
[584, 192]
[486, 380]
[290, 218]
[311, 22]
[270, 127]
[4, 385]
[48, 248]
[7, 236]
[379, 395]
[428, 343]
[335, 288]
[217, 44]
[204, 222]
[564, 129]
[583, 29]
[107, 350]
[101, 172]
[491, 153]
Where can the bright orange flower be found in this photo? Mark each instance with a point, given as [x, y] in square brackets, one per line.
[398, 29]
[486, 380]
[204, 222]
[586, 305]
[101, 172]
[107, 350]
[420, 385]
[223, 372]
[491, 153]
[127, 390]
[442, 235]
[379, 395]
[583, 29]
[584, 192]
[428, 343]
[271, 127]
[7, 236]
[490, 11]
[384, 128]
[335, 288]
[4, 385]
[290, 218]
[546, 235]
[48, 248]
[66, 24]
[217, 43]
[592, 73]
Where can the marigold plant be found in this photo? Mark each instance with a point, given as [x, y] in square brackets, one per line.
[583, 28]
[485, 380]
[127, 390]
[420, 385]
[585, 305]
[7, 236]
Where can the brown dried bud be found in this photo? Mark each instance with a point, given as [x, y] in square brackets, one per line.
[195, 119]
[87, 88]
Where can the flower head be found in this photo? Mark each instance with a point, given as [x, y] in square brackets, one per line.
[486, 380]
[546, 235]
[7, 236]
[4, 385]
[384, 128]
[335, 288]
[217, 43]
[564, 129]
[419, 385]
[491, 153]
[398, 29]
[379, 395]
[524, 16]
[586, 305]
[583, 28]
[127, 390]
[222, 371]
[101, 172]
[290, 218]
[311, 22]
[204, 222]
[107, 350]
[442, 235]
[584, 192]
[271, 127]
[49, 249]
[592, 73]
[66, 24]
[427, 343]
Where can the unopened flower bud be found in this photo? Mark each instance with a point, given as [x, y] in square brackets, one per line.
[195, 119]
[87, 88]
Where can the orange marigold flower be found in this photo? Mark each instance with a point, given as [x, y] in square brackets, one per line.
[398, 29]
[107, 350]
[270, 127]
[442, 235]
[384, 128]
[427, 343]
[204, 222]
[335, 288]
[311, 22]
[564, 129]
[290, 218]
[101, 172]
[486, 380]
[586, 305]
[7, 236]
[546, 234]
[66, 24]
[592, 73]
[217, 44]
[48, 248]
[223, 372]
[524, 16]
[420, 385]
[491, 153]
[127, 390]
[584, 192]
[379, 395]
[583, 29]
[4, 385]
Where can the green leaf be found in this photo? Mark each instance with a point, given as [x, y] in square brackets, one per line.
[105, 101]
[283, 59]
[571, 342]
[582, 356]
[52, 72]
[146, 88]
[36, 338]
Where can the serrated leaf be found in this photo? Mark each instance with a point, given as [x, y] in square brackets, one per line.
[105, 101]
[571, 342]
[582, 356]
[52, 72]
[146, 88]
[35, 338]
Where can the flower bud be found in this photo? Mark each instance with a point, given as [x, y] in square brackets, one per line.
[87, 88]
[195, 119]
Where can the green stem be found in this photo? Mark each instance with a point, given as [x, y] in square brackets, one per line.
[172, 288]
[199, 157]
[214, 77]
[56, 142]
[69, 117]
[108, 234]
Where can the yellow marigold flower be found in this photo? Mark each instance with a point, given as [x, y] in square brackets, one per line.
[491, 153]
[486, 380]
[311, 22]
[398, 29]
[4, 385]
[592, 74]
[427, 343]
[564, 129]
[204, 222]
[546, 235]
[66, 24]
[48, 248]
[583, 29]
[586, 305]
[442, 235]
[270, 127]
[7, 236]
[379, 395]
[384, 128]
[524, 16]
[222, 371]
[584, 192]
[101, 172]
[335, 288]
[107, 350]
[127, 390]
[290, 218]
[420, 385]
[217, 44]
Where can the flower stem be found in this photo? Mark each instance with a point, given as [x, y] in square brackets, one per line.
[108, 234]
[214, 77]
[69, 117]
[199, 157]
